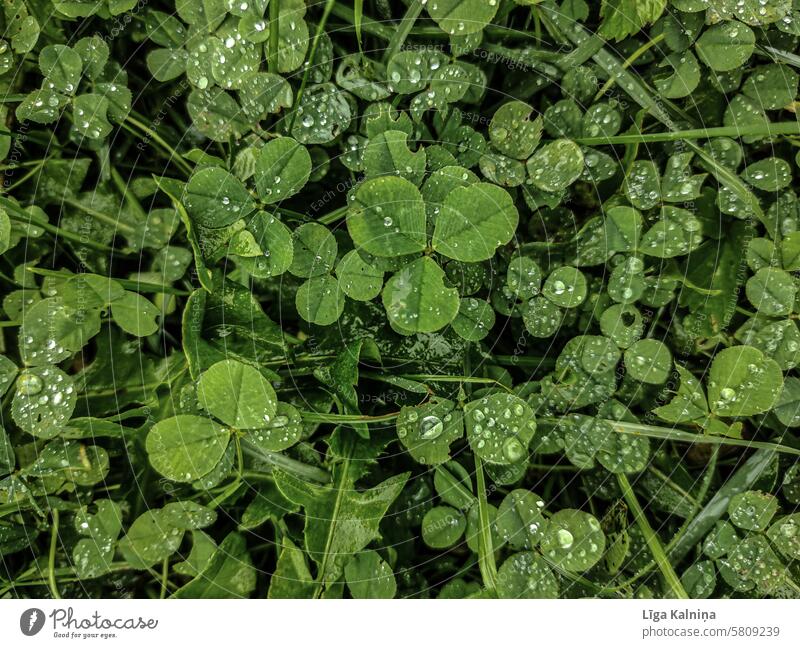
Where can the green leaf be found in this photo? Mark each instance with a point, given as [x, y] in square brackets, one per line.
[386, 217]
[315, 251]
[743, 382]
[688, 403]
[44, 401]
[292, 579]
[150, 539]
[512, 132]
[322, 115]
[499, 428]
[474, 221]
[565, 287]
[7, 455]
[556, 165]
[771, 291]
[773, 86]
[92, 555]
[134, 314]
[622, 323]
[417, 300]
[643, 184]
[752, 510]
[524, 277]
[203, 547]
[443, 526]
[370, 577]
[214, 198]
[427, 431]
[726, 45]
[50, 333]
[238, 395]
[648, 361]
[229, 573]
[359, 279]
[282, 169]
[461, 17]
[339, 521]
[700, 579]
[388, 154]
[520, 522]
[526, 575]
[770, 174]
[264, 93]
[61, 67]
[186, 447]
[320, 300]
[215, 113]
[683, 78]
[475, 319]
[573, 540]
[676, 234]
[785, 535]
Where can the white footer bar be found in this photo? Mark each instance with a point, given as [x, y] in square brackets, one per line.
[401, 623]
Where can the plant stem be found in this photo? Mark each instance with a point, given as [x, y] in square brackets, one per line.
[18, 214]
[485, 549]
[164, 574]
[285, 463]
[100, 216]
[51, 562]
[131, 284]
[652, 540]
[333, 216]
[671, 434]
[772, 129]
[319, 417]
[628, 62]
[175, 157]
[274, 25]
[697, 503]
[310, 60]
[401, 33]
[681, 436]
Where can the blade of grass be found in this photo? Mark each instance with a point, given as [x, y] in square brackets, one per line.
[274, 25]
[401, 32]
[310, 60]
[486, 561]
[287, 464]
[20, 215]
[681, 436]
[740, 481]
[358, 17]
[772, 129]
[51, 560]
[651, 539]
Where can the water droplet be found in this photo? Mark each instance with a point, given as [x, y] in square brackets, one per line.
[29, 384]
[564, 538]
[430, 428]
[513, 450]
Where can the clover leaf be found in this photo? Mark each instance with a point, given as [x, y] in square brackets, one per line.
[500, 427]
[215, 198]
[282, 168]
[237, 394]
[474, 221]
[743, 382]
[417, 300]
[386, 217]
[186, 447]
